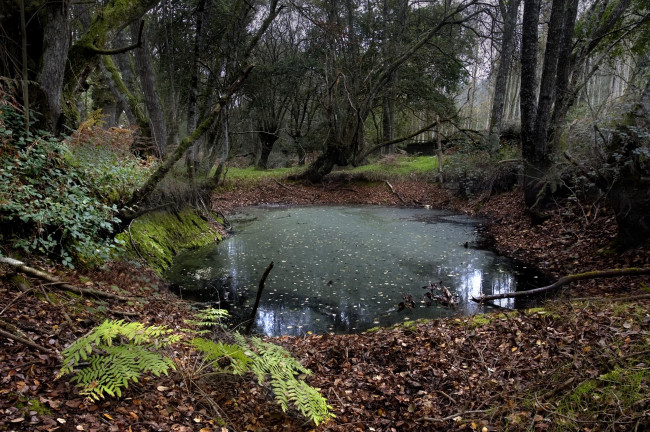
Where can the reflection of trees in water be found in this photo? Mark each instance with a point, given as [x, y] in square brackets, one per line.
[303, 315]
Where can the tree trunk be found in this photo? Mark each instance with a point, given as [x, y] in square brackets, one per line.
[146, 73]
[155, 178]
[527, 96]
[509, 15]
[267, 140]
[193, 91]
[630, 194]
[56, 42]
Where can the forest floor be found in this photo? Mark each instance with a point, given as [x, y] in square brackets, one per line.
[581, 363]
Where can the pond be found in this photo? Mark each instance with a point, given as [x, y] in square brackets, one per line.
[344, 269]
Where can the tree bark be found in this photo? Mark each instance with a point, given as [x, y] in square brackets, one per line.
[56, 42]
[509, 15]
[267, 139]
[144, 68]
[528, 94]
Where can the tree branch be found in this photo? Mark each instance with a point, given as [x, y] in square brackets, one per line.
[596, 274]
[101, 51]
[21, 267]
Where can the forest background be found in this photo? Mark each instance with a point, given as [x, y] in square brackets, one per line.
[113, 109]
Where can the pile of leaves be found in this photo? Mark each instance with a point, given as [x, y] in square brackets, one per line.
[514, 371]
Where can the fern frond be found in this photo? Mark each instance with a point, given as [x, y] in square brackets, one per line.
[117, 353]
[209, 317]
[273, 363]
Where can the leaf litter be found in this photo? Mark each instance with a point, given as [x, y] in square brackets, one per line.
[501, 371]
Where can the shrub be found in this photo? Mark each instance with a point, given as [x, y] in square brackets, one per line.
[46, 205]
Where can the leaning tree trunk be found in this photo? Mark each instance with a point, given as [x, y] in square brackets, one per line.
[56, 41]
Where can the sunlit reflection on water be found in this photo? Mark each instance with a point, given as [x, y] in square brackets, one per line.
[343, 269]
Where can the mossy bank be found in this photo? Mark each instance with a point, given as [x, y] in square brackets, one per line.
[157, 237]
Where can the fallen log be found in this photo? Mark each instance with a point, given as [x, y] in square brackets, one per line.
[596, 274]
[21, 267]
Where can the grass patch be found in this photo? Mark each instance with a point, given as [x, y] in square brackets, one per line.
[387, 168]
[400, 168]
[614, 399]
[252, 174]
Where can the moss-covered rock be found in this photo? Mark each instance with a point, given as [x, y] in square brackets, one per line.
[159, 236]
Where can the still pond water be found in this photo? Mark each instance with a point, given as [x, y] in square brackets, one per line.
[344, 269]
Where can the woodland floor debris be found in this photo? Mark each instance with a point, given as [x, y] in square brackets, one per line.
[535, 370]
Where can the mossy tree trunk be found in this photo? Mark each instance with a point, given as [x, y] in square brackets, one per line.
[86, 51]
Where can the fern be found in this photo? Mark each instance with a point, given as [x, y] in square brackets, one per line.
[268, 362]
[208, 318]
[116, 353]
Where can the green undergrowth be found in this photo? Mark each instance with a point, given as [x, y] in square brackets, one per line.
[400, 168]
[157, 237]
[387, 168]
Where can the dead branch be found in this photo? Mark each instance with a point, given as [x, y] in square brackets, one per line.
[21, 267]
[451, 417]
[25, 341]
[257, 298]
[596, 274]
[390, 186]
[280, 184]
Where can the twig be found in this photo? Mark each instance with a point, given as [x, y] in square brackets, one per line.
[596, 274]
[450, 417]
[249, 326]
[22, 293]
[390, 186]
[284, 186]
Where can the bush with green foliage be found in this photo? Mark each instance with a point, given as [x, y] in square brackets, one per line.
[46, 205]
[61, 198]
[115, 353]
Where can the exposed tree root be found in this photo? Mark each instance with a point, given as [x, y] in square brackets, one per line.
[596, 274]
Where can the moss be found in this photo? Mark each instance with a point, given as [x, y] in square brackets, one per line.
[159, 236]
[26, 405]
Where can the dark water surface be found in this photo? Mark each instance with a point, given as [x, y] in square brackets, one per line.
[344, 269]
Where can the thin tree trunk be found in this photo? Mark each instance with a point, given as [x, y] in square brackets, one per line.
[142, 193]
[501, 85]
[23, 40]
[146, 73]
[193, 91]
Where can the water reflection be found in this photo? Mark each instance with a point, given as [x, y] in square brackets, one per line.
[342, 269]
